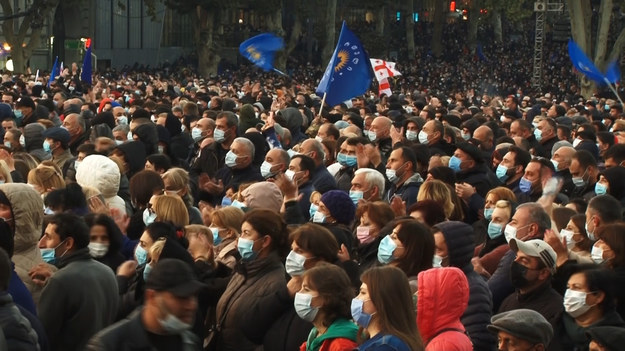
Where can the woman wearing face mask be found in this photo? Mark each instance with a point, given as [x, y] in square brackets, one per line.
[324, 300]
[373, 216]
[610, 181]
[481, 227]
[143, 186]
[105, 240]
[454, 248]
[385, 311]
[588, 302]
[336, 212]
[263, 244]
[166, 208]
[491, 252]
[176, 181]
[609, 251]
[409, 247]
[275, 323]
[130, 274]
[577, 241]
[225, 225]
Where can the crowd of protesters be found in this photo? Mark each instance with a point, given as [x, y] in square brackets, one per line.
[161, 210]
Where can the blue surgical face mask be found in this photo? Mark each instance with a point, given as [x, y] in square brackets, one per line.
[122, 120]
[196, 134]
[488, 213]
[146, 271]
[148, 217]
[538, 134]
[302, 307]
[246, 249]
[18, 114]
[360, 317]
[312, 210]
[347, 160]
[46, 146]
[7, 144]
[454, 163]
[219, 135]
[600, 189]
[141, 255]
[226, 201]
[501, 173]
[355, 195]
[386, 249]
[216, 237]
[238, 204]
[48, 255]
[494, 230]
[525, 185]
[231, 159]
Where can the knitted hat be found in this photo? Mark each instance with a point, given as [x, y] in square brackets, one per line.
[340, 206]
[460, 244]
[263, 195]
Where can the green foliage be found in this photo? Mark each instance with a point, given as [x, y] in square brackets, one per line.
[514, 11]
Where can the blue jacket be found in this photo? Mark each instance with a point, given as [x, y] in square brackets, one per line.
[384, 343]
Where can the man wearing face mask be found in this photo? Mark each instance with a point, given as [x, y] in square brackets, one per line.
[511, 170]
[238, 168]
[90, 285]
[56, 143]
[470, 168]
[432, 136]
[300, 172]
[584, 174]
[401, 171]
[321, 178]
[561, 160]
[276, 162]
[380, 135]
[368, 184]
[167, 315]
[531, 273]
[529, 222]
[537, 172]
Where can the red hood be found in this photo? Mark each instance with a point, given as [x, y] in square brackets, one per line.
[442, 297]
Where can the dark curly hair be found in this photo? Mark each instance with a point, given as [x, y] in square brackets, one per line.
[334, 287]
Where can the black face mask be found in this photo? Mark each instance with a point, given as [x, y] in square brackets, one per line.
[518, 274]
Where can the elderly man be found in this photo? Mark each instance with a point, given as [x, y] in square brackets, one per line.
[75, 125]
[238, 169]
[368, 184]
[521, 330]
[529, 222]
[276, 162]
[322, 180]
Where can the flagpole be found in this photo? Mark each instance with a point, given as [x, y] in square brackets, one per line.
[323, 101]
[614, 91]
[282, 73]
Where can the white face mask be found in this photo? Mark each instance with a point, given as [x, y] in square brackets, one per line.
[597, 254]
[568, 234]
[98, 250]
[295, 264]
[290, 175]
[575, 303]
[509, 232]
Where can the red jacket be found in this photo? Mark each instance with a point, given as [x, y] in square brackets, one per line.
[338, 344]
[442, 297]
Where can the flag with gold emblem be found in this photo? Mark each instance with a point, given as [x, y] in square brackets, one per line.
[262, 49]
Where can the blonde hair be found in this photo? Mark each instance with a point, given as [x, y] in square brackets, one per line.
[438, 191]
[46, 178]
[171, 208]
[157, 248]
[229, 217]
[207, 234]
[505, 205]
[179, 179]
[502, 193]
[4, 170]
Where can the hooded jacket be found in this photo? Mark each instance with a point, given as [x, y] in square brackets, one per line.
[103, 174]
[476, 317]
[27, 208]
[134, 153]
[247, 118]
[148, 135]
[294, 121]
[33, 138]
[442, 297]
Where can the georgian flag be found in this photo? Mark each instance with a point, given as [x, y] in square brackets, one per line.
[383, 70]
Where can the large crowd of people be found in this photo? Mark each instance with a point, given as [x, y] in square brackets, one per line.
[156, 209]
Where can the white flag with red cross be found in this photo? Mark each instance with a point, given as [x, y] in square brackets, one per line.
[383, 70]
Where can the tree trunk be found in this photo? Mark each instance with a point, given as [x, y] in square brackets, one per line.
[581, 35]
[497, 31]
[204, 26]
[474, 17]
[379, 24]
[439, 21]
[605, 14]
[309, 40]
[330, 24]
[409, 18]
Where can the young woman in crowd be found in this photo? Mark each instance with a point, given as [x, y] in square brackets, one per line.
[166, 208]
[490, 253]
[225, 227]
[105, 240]
[440, 192]
[481, 226]
[176, 181]
[143, 186]
[324, 300]
[385, 312]
[409, 247]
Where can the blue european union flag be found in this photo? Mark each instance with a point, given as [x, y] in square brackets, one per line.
[261, 49]
[583, 64]
[348, 73]
[85, 73]
[55, 71]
